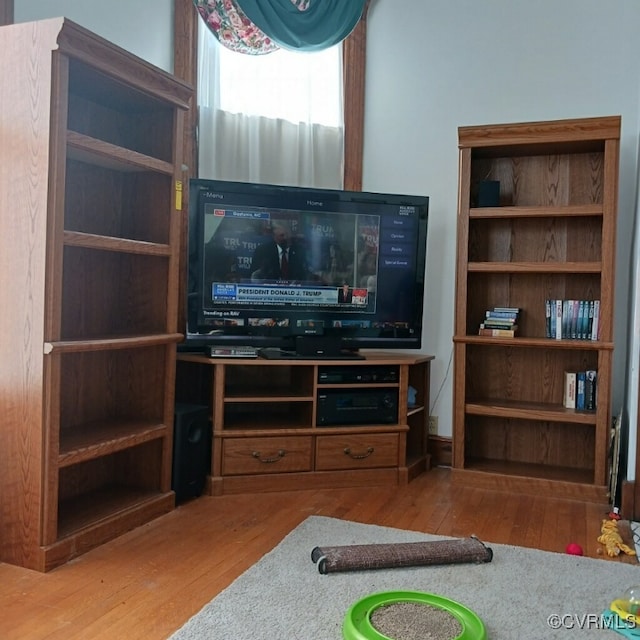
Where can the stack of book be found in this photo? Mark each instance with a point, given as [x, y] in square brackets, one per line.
[500, 322]
[580, 390]
[573, 319]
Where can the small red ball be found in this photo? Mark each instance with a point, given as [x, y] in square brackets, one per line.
[574, 549]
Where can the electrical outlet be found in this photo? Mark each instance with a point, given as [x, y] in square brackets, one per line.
[433, 425]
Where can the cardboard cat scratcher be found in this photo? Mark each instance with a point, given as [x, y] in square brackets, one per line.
[404, 554]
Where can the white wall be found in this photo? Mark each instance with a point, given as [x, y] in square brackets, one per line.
[145, 29]
[434, 66]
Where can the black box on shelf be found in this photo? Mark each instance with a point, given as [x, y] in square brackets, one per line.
[489, 193]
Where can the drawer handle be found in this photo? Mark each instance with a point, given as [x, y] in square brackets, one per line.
[358, 456]
[281, 453]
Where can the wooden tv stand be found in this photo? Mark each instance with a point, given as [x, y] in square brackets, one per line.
[267, 415]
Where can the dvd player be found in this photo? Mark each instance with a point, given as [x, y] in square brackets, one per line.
[358, 374]
[232, 352]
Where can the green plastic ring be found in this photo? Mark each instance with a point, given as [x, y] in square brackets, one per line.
[357, 622]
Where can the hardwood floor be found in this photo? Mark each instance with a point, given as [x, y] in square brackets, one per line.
[147, 583]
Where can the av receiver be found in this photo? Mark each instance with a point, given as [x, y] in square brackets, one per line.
[357, 374]
[357, 406]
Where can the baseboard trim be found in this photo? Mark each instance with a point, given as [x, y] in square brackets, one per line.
[441, 450]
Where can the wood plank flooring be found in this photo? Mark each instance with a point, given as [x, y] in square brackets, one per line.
[147, 583]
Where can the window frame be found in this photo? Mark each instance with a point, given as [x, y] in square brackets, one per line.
[354, 59]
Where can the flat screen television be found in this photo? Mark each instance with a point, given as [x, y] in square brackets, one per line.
[351, 275]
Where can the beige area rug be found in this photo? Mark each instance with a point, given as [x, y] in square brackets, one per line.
[523, 594]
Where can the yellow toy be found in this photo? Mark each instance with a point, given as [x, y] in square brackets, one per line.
[612, 540]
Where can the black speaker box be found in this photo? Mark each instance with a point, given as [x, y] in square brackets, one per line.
[489, 193]
[191, 450]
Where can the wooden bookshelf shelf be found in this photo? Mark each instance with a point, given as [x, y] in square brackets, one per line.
[536, 212]
[94, 241]
[90, 441]
[534, 472]
[542, 343]
[103, 154]
[535, 267]
[530, 410]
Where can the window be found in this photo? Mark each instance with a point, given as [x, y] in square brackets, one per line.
[273, 118]
[298, 87]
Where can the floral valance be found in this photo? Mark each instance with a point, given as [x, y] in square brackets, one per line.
[262, 26]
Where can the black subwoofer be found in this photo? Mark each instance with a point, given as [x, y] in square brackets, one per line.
[191, 450]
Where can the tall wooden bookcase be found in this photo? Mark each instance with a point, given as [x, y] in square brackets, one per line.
[89, 192]
[551, 235]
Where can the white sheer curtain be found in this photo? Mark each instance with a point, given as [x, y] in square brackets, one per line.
[274, 118]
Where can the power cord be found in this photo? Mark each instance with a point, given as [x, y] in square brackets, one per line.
[446, 375]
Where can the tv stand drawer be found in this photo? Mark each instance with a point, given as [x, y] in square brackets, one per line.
[356, 451]
[283, 454]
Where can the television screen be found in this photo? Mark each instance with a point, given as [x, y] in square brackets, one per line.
[270, 265]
